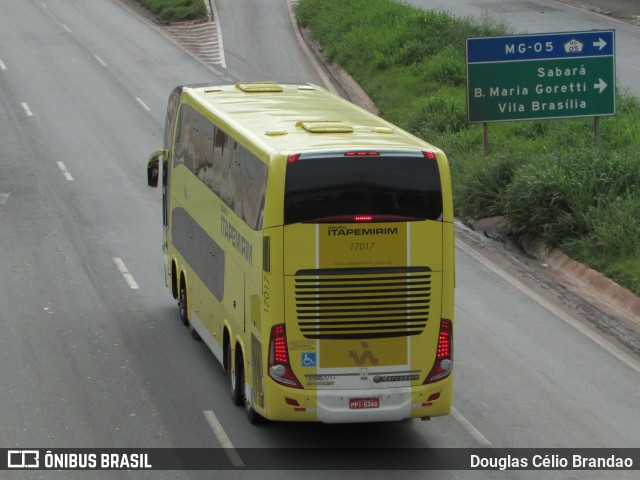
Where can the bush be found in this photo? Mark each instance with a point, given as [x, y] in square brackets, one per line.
[438, 114]
[446, 67]
[480, 191]
[551, 197]
[611, 244]
[175, 10]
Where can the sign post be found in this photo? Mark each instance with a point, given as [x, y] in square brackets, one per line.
[541, 76]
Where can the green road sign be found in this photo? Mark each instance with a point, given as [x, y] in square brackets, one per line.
[541, 76]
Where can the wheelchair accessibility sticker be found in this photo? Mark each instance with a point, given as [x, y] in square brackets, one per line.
[308, 359]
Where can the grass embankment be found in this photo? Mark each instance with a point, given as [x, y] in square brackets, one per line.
[168, 11]
[545, 177]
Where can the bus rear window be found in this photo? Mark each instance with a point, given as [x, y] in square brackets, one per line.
[391, 186]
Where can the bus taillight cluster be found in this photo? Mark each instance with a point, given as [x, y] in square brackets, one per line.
[279, 365]
[443, 364]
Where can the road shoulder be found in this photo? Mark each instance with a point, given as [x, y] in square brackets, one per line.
[625, 10]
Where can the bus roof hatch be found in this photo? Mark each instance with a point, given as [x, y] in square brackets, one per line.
[326, 127]
[260, 87]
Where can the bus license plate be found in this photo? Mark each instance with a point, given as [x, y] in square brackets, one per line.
[358, 403]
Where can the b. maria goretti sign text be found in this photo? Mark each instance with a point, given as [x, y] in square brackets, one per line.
[549, 75]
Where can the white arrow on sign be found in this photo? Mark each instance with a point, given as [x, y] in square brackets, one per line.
[601, 85]
[600, 43]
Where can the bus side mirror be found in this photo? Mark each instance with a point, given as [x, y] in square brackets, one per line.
[153, 166]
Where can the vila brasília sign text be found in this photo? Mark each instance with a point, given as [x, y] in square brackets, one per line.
[549, 75]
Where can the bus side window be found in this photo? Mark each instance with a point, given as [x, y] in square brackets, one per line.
[227, 168]
[203, 137]
[178, 145]
[189, 138]
[224, 163]
[251, 185]
[172, 109]
[236, 196]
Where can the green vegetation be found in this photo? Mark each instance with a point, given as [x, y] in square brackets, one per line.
[168, 11]
[545, 177]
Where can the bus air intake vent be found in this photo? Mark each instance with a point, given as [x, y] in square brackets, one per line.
[362, 303]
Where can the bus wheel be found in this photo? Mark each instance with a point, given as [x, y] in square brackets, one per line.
[182, 304]
[235, 388]
[195, 335]
[253, 416]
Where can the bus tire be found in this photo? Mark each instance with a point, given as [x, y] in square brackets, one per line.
[253, 416]
[235, 389]
[183, 307]
[195, 335]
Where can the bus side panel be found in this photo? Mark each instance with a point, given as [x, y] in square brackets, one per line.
[449, 269]
[258, 302]
[272, 313]
[447, 192]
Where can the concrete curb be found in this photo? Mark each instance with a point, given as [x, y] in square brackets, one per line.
[207, 5]
[617, 10]
[624, 304]
[584, 282]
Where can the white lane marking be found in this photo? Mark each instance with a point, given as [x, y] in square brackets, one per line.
[219, 36]
[144, 105]
[27, 110]
[67, 29]
[603, 342]
[64, 171]
[2, 65]
[100, 61]
[475, 433]
[222, 437]
[125, 273]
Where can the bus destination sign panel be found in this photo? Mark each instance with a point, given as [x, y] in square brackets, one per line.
[550, 75]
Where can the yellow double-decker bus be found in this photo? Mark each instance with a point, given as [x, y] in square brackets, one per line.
[310, 245]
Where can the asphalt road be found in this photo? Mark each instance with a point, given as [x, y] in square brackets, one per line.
[88, 360]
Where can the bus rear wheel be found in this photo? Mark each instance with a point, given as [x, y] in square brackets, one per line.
[235, 387]
[182, 304]
[253, 416]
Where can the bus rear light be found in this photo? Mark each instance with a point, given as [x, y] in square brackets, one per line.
[361, 154]
[429, 155]
[293, 158]
[291, 401]
[362, 219]
[279, 366]
[443, 364]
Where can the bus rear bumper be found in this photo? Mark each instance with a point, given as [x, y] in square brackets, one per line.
[359, 406]
[388, 405]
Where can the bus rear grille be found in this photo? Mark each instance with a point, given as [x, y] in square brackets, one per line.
[362, 303]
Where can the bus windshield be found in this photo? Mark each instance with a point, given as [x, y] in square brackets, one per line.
[378, 186]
